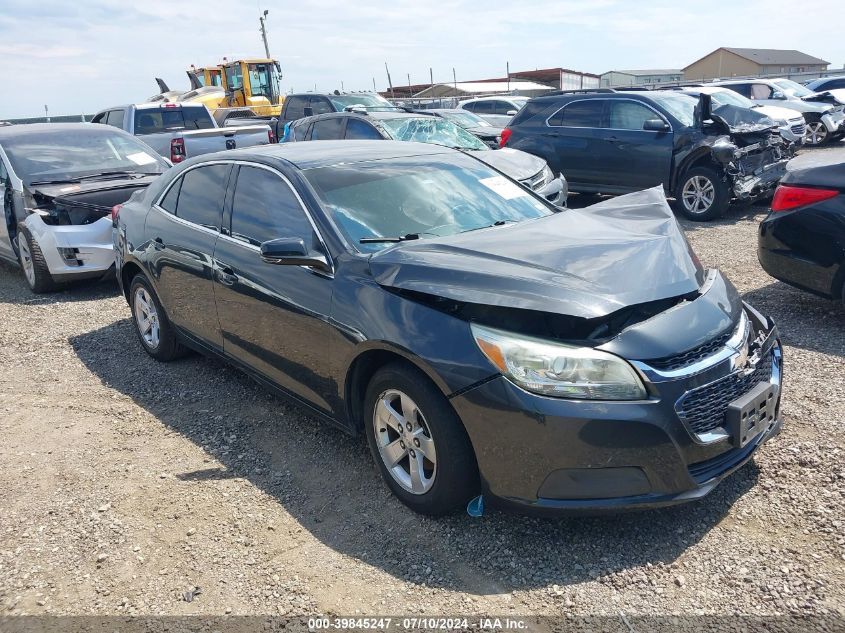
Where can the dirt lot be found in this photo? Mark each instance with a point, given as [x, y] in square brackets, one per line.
[125, 483]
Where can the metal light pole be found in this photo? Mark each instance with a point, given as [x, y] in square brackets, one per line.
[46, 115]
[264, 33]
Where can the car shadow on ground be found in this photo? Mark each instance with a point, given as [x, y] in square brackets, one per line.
[13, 289]
[327, 481]
[792, 309]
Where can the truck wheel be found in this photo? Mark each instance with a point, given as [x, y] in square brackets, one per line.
[702, 195]
[418, 442]
[816, 134]
[32, 262]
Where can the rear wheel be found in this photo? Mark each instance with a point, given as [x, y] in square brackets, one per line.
[32, 262]
[157, 336]
[418, 442]
[816, 134]
[702, 195]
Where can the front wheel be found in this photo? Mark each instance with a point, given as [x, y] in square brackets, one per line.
[418, 442]
[702, 195]
[32, 262]
[816, 134]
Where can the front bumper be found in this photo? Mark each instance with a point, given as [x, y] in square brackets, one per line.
[550, 456]
[761, 182]
[555, 191]
[74, 251]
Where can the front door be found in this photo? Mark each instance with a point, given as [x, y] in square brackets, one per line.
[182, 231]
[635, 158]
[274, 318]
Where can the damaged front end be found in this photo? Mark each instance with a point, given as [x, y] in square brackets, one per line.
[747, 146]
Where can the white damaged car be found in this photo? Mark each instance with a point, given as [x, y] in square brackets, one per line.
[59, 184]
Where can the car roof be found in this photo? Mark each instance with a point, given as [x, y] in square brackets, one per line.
[496, 98]
[579, 94]
[14, 131]
[324, 153]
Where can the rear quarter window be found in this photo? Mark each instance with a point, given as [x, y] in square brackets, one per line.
[586, 113]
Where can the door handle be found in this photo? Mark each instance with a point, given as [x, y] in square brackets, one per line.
[225, 275]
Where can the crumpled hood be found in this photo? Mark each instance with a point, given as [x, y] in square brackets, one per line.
[515, 163]
[68, 190]
[742, 120]
[584, 263]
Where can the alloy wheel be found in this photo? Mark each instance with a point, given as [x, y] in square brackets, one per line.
[146, 318]
[816, 133]
[698, 194]
[404, 441]
[26, 260]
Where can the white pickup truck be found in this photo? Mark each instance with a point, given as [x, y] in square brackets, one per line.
[180, 130]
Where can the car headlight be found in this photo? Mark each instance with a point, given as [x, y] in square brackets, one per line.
[782, 123]
[555, 369]
[548, 175]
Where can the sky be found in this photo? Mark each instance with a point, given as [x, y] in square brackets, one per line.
[87, 55]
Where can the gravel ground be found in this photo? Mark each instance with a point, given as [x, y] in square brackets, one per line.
[125, 484]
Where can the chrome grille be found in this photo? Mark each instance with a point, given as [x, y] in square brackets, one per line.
[537, 181]
[703, 409]
[690, 357]
[798, 129]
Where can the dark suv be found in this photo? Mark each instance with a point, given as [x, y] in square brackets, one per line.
[606, 141]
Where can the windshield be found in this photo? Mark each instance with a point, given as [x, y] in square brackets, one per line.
[69, 154]
[682, 107]
[791, 88]
[729, 97]
[429, 196]
[368, 100]
[264, 81]
[465, 119]
[431, 129]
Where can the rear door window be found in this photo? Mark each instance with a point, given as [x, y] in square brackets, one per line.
[321, 105]
[327, 129]
[265, 208]
[587, 113]
[358, 129]
[295, 108]
[168, 203]
[201, 195]
[629, 115]
[115, 118]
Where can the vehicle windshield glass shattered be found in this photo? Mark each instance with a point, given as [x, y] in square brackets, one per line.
[429, 129]
[466, 119]
[682, 107]
[38, 157]
[793, 89]
[367, 100]
[442, 195]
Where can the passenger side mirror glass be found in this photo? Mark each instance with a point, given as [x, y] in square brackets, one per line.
[292, 251]
[656, 125]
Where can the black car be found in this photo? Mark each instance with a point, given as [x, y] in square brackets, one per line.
[802, 240]
[489, 134]
[611, 142]
[399, 125]
[297, 106]
[482, 339]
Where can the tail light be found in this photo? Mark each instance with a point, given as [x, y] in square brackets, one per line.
[790, 197]
[177, 150]
[506, 134]
[115, 211]
[271, 137]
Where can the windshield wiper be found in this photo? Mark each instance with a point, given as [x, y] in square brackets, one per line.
[100, 175]
[380, 240]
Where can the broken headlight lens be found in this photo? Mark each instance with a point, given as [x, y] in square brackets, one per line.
[554, 369]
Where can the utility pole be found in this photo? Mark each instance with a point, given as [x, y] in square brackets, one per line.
[409, 85]
[431, 75]
[508, 66]
[46, 115]
[264, 33]
[389, 81]
[455, 80]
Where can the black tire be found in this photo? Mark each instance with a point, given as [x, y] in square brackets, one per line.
[695, 210]
[455, 480]
[167, 347]
[35, 270]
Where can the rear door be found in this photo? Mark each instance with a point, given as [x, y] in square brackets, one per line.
[328, 129]
[295, 107]
[634, 158]
[274, 319]
[182, 230]
[575, 134]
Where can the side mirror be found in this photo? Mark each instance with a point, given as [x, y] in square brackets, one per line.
[308, 111]
[511, 112]
[291, 251]
[777, 94]
[656, 125]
